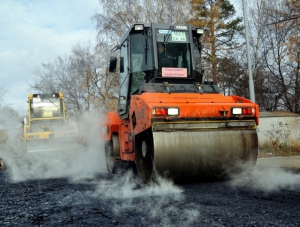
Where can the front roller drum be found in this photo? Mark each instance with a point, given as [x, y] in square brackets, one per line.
[195, 155]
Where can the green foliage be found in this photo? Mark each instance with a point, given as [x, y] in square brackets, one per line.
[222, 28]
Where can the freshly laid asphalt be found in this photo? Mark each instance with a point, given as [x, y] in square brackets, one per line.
[267, 197]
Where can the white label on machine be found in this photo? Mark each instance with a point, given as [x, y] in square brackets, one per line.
[179, 36]
[174, 72]
[164, 31]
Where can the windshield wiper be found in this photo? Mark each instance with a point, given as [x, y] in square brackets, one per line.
[146, 48]
[166, 37]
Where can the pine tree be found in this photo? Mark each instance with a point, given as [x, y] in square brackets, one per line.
[217, 17]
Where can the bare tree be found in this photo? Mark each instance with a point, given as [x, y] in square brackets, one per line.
[273, 68]
[99, 89]
[10, 123]
[279, 62]
[266, 96]
[118, 16]
[10, 120]
[82, 77]
[291, 20]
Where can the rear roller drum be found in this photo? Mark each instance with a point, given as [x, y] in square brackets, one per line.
[112, 150]
[145, 156]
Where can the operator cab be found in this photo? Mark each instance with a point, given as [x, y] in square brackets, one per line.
[152, 56]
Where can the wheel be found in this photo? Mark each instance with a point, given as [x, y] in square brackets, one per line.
[144, 156]
[109, 157]
[112, 150]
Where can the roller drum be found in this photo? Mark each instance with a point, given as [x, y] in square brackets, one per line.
[195, 155]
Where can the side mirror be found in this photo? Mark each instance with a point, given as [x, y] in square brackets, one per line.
[112, 64]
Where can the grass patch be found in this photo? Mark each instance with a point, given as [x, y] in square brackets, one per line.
[278, 149]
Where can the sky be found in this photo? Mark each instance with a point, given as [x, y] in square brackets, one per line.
[33, 32]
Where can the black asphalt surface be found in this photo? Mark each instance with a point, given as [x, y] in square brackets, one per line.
[269, 197]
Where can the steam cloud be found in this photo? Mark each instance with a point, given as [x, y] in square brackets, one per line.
[268, 180]
[82, 163]
[124, 192]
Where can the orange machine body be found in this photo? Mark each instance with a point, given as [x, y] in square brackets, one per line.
[206, 108]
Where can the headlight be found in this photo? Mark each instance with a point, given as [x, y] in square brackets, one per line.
[138, 27]
[200, 31]
[242, 111]
[236, 110]
[173, 111]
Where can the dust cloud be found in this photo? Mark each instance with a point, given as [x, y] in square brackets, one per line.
[83, 162]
